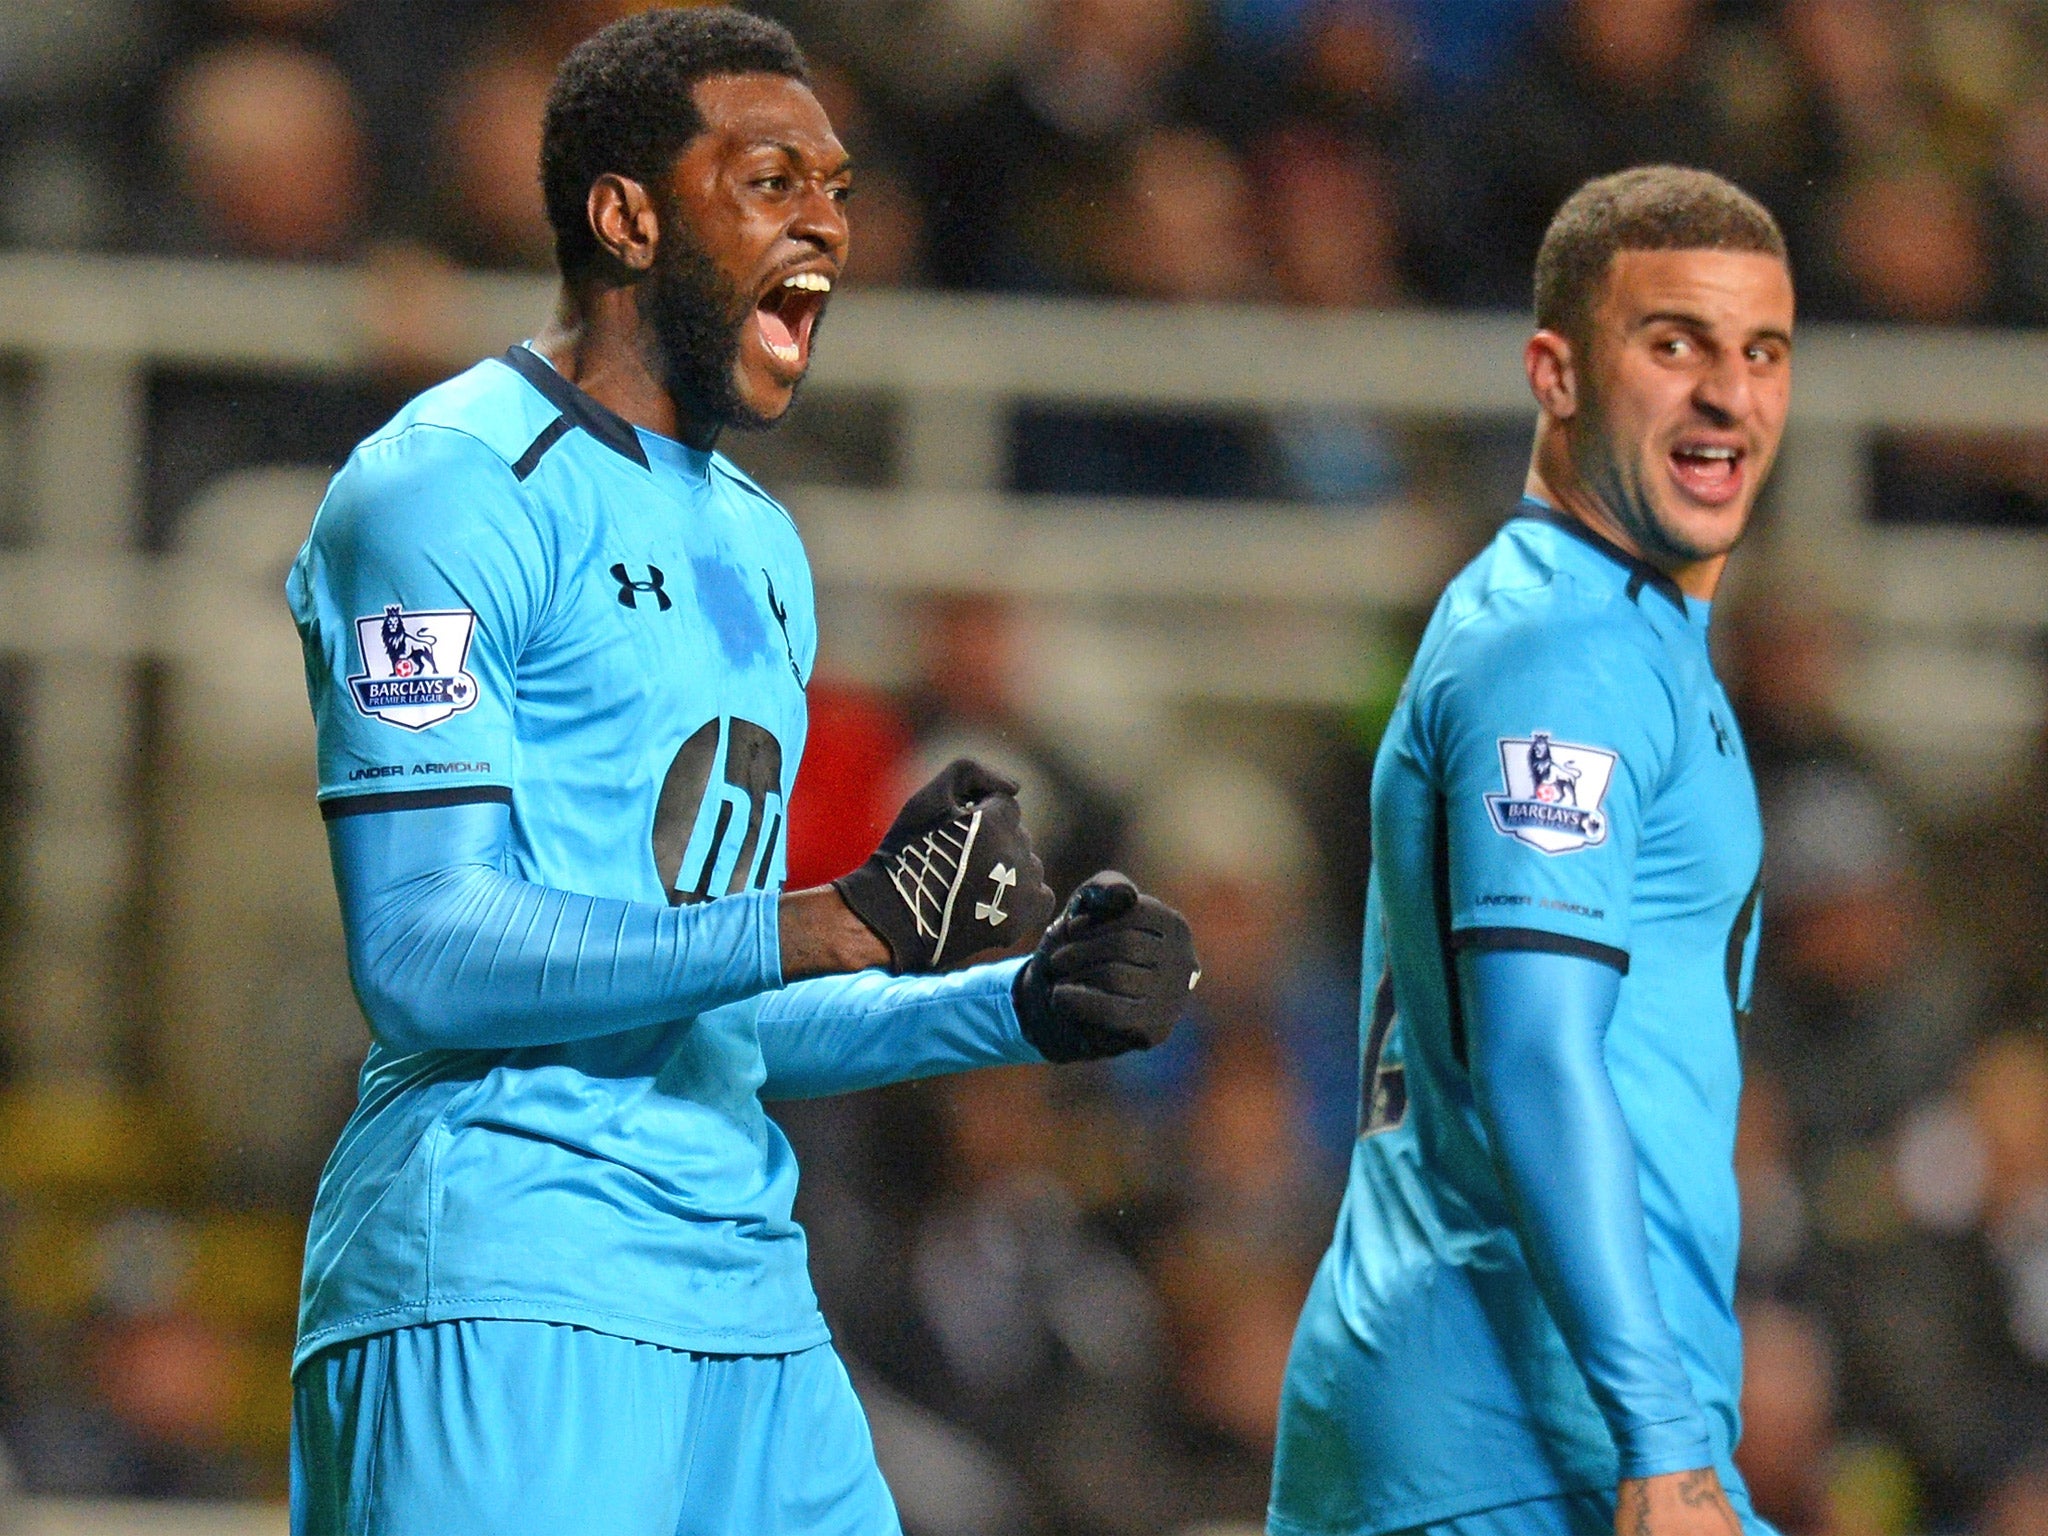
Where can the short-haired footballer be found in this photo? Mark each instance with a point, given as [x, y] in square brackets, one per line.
[557, 650]
[1525, 1325]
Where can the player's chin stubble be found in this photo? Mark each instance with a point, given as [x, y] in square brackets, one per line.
[1617, 474]
[698, 320]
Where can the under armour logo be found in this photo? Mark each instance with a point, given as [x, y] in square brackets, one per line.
[1004, 879]
[629, 589]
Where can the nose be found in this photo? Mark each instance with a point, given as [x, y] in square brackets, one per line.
[1722, 390]
[820, 221]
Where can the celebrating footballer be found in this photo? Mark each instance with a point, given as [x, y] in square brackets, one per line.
[557, 649]
[1525, 1325]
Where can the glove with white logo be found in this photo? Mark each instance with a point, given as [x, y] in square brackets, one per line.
[956, 879]
[1112, 974]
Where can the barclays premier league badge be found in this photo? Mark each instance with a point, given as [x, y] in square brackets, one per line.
[412, 665]
[1553, 794]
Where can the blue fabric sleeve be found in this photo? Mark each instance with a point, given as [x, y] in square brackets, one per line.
[836, 1034]
[1537, 1024]
[1550, 737]
[448, 952]
[424, 577]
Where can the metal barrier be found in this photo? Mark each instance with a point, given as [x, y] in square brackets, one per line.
[1260, 604]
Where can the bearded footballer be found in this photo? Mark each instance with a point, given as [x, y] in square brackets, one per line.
[557, 649]
[1525, 1325]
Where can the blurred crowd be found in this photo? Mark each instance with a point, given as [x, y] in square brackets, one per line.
[1893, 1148]
[1068, 1296]
[1093, 1273]
[1335, 153]
[1330, 154]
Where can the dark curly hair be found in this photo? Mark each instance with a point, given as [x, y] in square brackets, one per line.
[1647, 208]
[621, 104]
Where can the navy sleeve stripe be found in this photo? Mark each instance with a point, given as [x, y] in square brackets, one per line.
[1440, 901]
[412, 800]
[1542, 940]
[536, 450]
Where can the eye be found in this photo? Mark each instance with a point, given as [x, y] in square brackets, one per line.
[775, 183]
[1674, 347]
[841, 194]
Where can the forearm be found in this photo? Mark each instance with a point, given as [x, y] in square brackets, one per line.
[448, 952]
[820, 936]
[841, 1033]
[1537, 1025]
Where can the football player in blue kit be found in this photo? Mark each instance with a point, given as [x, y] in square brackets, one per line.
[556, 648]
[1525, 1324]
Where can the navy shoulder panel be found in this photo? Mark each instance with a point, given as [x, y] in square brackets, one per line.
[573, 410]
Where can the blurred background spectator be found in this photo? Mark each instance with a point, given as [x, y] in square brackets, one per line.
[964, 703]
[1068, 1299]
[271, 157]
[1262, 1069]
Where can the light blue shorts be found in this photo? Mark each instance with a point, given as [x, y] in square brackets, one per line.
[489, 1428]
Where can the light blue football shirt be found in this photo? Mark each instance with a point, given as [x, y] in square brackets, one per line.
[510, 593]
[1562, 772]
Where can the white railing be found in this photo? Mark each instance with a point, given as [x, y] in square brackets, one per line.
[91, 327]
[1194, 601]
[143, 1517]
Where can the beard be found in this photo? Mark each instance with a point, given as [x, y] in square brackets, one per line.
[697, 319]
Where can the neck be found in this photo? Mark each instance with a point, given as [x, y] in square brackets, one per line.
[1555, 478]
[598, 342]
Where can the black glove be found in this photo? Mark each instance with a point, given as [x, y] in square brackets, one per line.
[1112, 974]
[955, 878]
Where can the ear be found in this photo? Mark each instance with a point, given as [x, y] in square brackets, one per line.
[622, 217]
[1553, 374]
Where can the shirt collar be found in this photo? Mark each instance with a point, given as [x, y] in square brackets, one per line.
[641, 446]
[1641, 573]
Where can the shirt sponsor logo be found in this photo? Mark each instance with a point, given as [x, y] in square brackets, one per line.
[1553, 793]
[412, 665]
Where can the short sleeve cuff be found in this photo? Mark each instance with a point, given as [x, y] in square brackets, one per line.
[372, 803]
[1541, 940]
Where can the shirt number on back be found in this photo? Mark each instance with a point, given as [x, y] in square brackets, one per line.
[1383, 1085]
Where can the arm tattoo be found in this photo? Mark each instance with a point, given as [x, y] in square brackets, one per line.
[1635, 1509]
[1702, 1490]
[1697, 1488]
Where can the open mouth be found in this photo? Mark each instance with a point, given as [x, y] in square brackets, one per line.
[786, 315]
[1708, 472]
